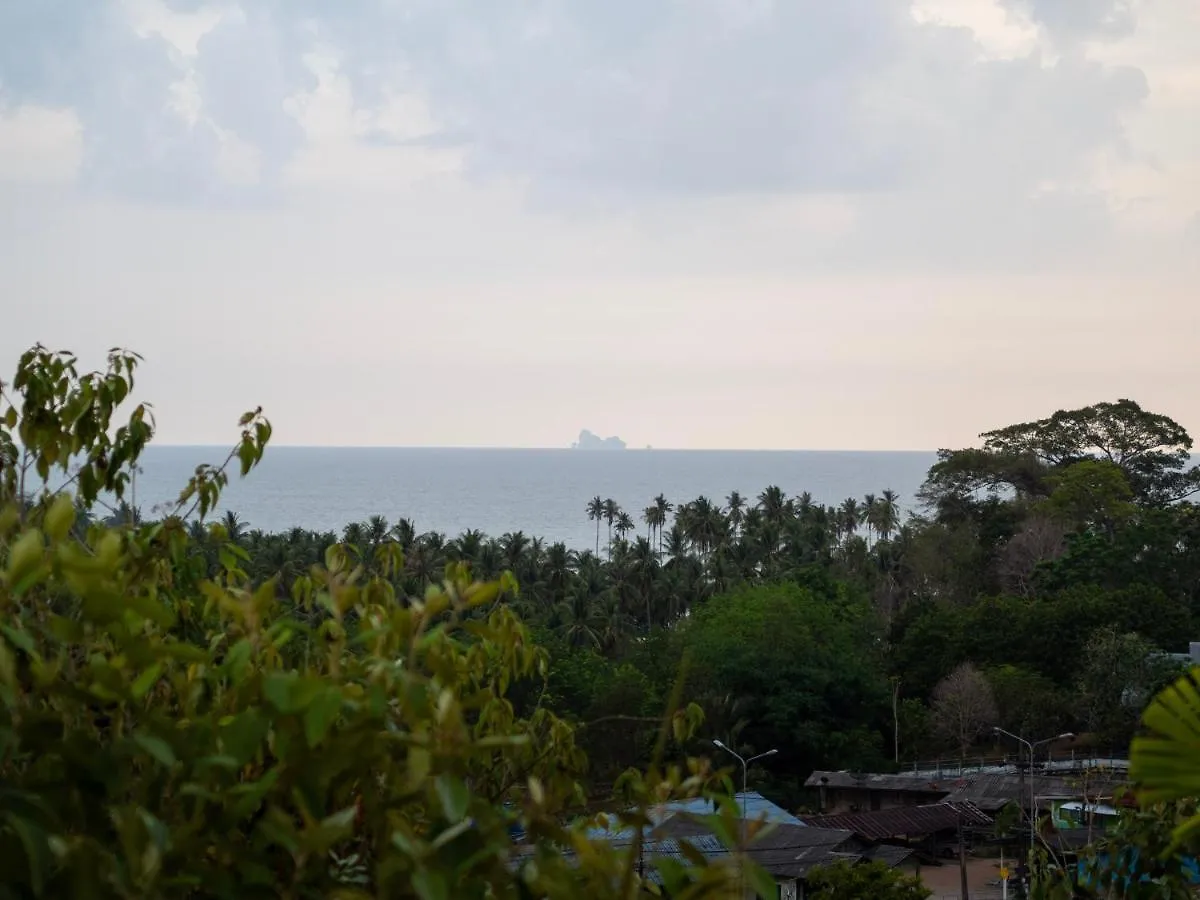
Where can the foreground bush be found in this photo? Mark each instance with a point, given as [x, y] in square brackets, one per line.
[165, 734]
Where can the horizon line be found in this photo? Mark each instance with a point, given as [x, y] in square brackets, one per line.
[568, 449]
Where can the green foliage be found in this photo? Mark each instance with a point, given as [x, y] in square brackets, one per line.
[1152, 451]
[874, 880]
[809, 667]
[172, 731]
[1094, 492]
[1028, 702]
[1119, 675]
[1165, 762]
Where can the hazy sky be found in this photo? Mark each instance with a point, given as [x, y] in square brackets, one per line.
[692, 223]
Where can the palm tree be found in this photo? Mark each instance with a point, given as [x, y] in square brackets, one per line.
[355, 535]
[849, 515]
[644, 568]
[558, 570]
[866, 515]
[595, 511]
[650, 515]
[235, 528]
[624, 525]
[404, 533]
[512, 547]
[465, 548]
[737, 508]
[889, 514]
[773, 503]
[611, 512]
[579, 624]
[665, 508]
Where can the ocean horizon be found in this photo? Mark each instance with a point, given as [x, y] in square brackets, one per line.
[543, 492]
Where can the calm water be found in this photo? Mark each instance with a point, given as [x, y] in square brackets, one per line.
[540, 492]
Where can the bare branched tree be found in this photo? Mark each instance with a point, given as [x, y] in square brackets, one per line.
[1039, 541]
[963, 706]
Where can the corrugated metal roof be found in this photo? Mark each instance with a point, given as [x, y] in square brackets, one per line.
[989, 790]
[906, 821]
[757, 807]
[785, 851]
[888, 854]
[986, 791]
[876, 781]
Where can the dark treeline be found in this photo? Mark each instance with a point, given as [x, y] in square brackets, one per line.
[1046, 568]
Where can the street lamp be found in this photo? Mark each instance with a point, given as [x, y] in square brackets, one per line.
[1031, 746]
[745, 764]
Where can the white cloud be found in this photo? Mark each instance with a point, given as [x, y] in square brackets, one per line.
[603, 211]
[39, 144]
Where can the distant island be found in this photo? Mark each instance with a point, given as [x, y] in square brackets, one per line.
[589, 441]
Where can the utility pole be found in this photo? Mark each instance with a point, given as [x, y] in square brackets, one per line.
[962, 856]
[895, 680]
[1023, 856]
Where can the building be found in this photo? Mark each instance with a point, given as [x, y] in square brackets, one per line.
[788, 849]
[932, 830]
[787, 852]
[851, 792]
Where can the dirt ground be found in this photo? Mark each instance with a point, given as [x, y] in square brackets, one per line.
[983, 876]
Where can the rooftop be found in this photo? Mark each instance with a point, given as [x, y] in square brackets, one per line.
[757, 807]
[905, 821]
[987, 791]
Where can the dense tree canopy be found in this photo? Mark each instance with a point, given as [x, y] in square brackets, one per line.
[807, 666]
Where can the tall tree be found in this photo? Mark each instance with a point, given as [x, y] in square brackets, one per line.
[595, 512]
[665, 508]
[736, 505]
[963, 706]
[611, 512]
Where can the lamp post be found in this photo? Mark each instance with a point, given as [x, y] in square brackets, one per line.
[745, 765]
[1030, 746]
[745, 768]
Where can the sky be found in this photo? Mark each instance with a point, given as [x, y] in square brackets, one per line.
[690, 223]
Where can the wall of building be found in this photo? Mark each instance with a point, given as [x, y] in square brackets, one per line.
[845, 800]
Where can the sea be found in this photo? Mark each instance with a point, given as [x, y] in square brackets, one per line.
[543, 493]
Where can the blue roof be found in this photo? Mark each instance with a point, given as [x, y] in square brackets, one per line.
[757, 807]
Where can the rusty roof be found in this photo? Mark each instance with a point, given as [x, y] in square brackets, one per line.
[905, 821]
[878, 782]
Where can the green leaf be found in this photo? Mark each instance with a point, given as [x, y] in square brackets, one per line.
[339, 826]
[243, 735]
[24, 560]
[250, 794]
[1166, 764]
[321, 713]
[445, 837]
[760, 881]
[19, 639]
[279, 689]
[144, 682]
[38, 855]
[454, 797]
[156, 747]
[60, 517]
[674, 874]
[430, 885]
